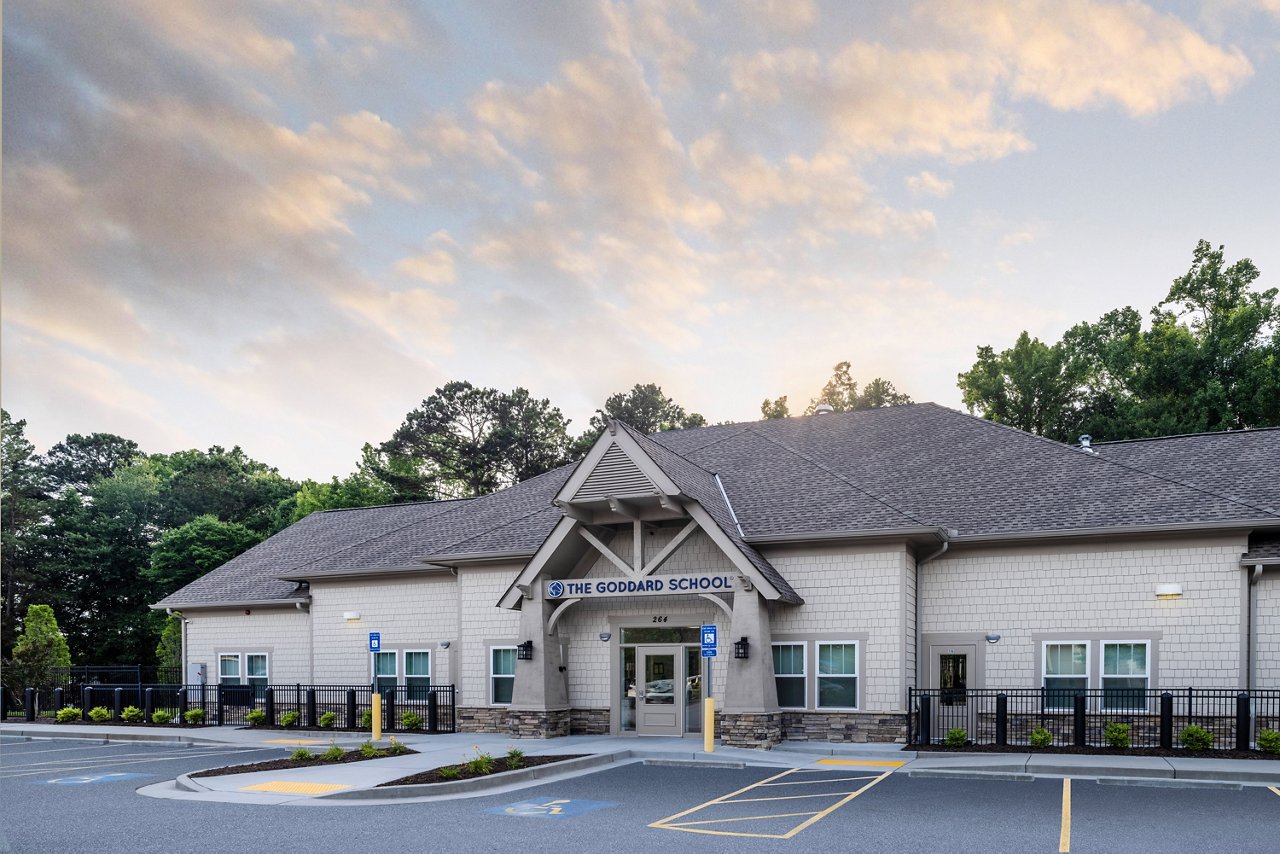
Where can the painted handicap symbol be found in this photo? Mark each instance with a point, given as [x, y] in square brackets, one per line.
[557, 808]
[92, 778]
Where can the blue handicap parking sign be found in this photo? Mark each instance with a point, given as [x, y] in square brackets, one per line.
[375, 641]
[551, 808]
[709, 640]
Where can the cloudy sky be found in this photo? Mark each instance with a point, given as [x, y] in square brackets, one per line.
[282, 224]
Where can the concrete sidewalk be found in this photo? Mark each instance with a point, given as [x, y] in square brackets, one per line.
[356, 783]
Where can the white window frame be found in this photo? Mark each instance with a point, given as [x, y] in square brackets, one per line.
[1102, 673]
[245, 669]
[855, 675]
[238, 658]
[404, 658]
[493, 676]
[1044, 668]
[373, 666]
[803, 675]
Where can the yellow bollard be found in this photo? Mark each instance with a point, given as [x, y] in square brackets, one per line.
[709, 724]
[377, 716]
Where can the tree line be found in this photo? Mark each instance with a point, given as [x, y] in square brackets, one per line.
[98, 529]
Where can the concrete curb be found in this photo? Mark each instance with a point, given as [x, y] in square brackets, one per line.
[105, 737]
[477, 784]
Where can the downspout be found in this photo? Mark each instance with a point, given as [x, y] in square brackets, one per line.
[1251, 652]
[941, 550]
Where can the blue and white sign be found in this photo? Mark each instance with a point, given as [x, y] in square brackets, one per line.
[709, 640]
[375, 641]
[652, 585]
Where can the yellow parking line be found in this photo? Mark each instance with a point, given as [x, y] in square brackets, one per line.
[722, 798]
[812, 783]
[742, 818]
[786, 798]
[1274, 789]
[1064, 836]
[291, 787]
[875, 762]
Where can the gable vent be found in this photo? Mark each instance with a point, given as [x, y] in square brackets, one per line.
[615, 475]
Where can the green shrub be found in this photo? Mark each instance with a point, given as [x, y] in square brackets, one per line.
[397, 747]
[256, 717]
[1041, 738]
[160, 716]
[1116, 735]
[302, 755]
[100, 714]
[956, 737]
[328, 720]
[410, 720]
[480, 764]
[333, 754]
[1196, 737]
[515, 758]
[1268, 740]
[70, 713]
[370, 751]
[194, 716]
[289, 719]
[131, 715]
[449, 772]
[366, 719]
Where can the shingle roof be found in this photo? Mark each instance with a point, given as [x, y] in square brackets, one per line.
[903, 468]
[1263, 548]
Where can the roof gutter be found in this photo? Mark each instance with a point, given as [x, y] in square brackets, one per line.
[451, 560]
[1120, 531]
[230, 603]
[365, 572]
[848, 534]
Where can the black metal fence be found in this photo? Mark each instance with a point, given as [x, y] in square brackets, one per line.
[1154, 718]
[415, 708]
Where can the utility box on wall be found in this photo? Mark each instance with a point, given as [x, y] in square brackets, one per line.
[197, 673]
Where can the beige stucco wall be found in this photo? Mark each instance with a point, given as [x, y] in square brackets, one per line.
[1267, 645]
[1094, 589]
[282, 633]
[409, 612]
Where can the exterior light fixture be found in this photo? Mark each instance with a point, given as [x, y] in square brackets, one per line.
[444, 644]
[604, 637]
[1168, 591]
[350, 616]
[524, 652]
[993, 637]
[742, 648]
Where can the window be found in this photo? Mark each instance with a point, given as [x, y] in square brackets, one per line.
[1066, 671]
[384, 671]
[502, 674]
[837, 675]
[1124, 675]
[229, 668]
[256, 670]
[417, 674]
[788, 673]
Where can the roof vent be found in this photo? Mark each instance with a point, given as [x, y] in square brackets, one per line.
[1085, 440]
[823, 409]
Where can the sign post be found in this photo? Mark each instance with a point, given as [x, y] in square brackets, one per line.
[709, 642]
[375, 699]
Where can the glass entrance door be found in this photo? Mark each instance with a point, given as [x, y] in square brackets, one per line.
[660, 690]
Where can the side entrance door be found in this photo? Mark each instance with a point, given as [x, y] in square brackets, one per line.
[660, 690]
[952, 673]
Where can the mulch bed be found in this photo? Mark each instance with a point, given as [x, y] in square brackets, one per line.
[285, 764]
[1175, 753]
[464, 773]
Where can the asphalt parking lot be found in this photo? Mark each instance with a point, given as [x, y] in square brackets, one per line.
[75, 797]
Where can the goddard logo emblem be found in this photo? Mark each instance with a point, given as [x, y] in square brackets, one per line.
[555, 590]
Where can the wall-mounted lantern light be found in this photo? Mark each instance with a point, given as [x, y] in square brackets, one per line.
[524, 652]
[993, 637]
[444, 644]
[1168, 591]
[604, 637]
[350, 616]
[742, 648]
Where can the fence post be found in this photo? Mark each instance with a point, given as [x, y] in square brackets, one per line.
[1078, 721]
[182, 704]
[117, 703]
[390, 705]
[926, 720]
[29, 704]
[269, 704]
[4, 703]
[1166, 720]
[58, 700]
[312, 720]
[433, 710]
[148, 705]
[1244, 726]
[1002, 719]
[351, 709]
[86, 701]
[221, 714]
